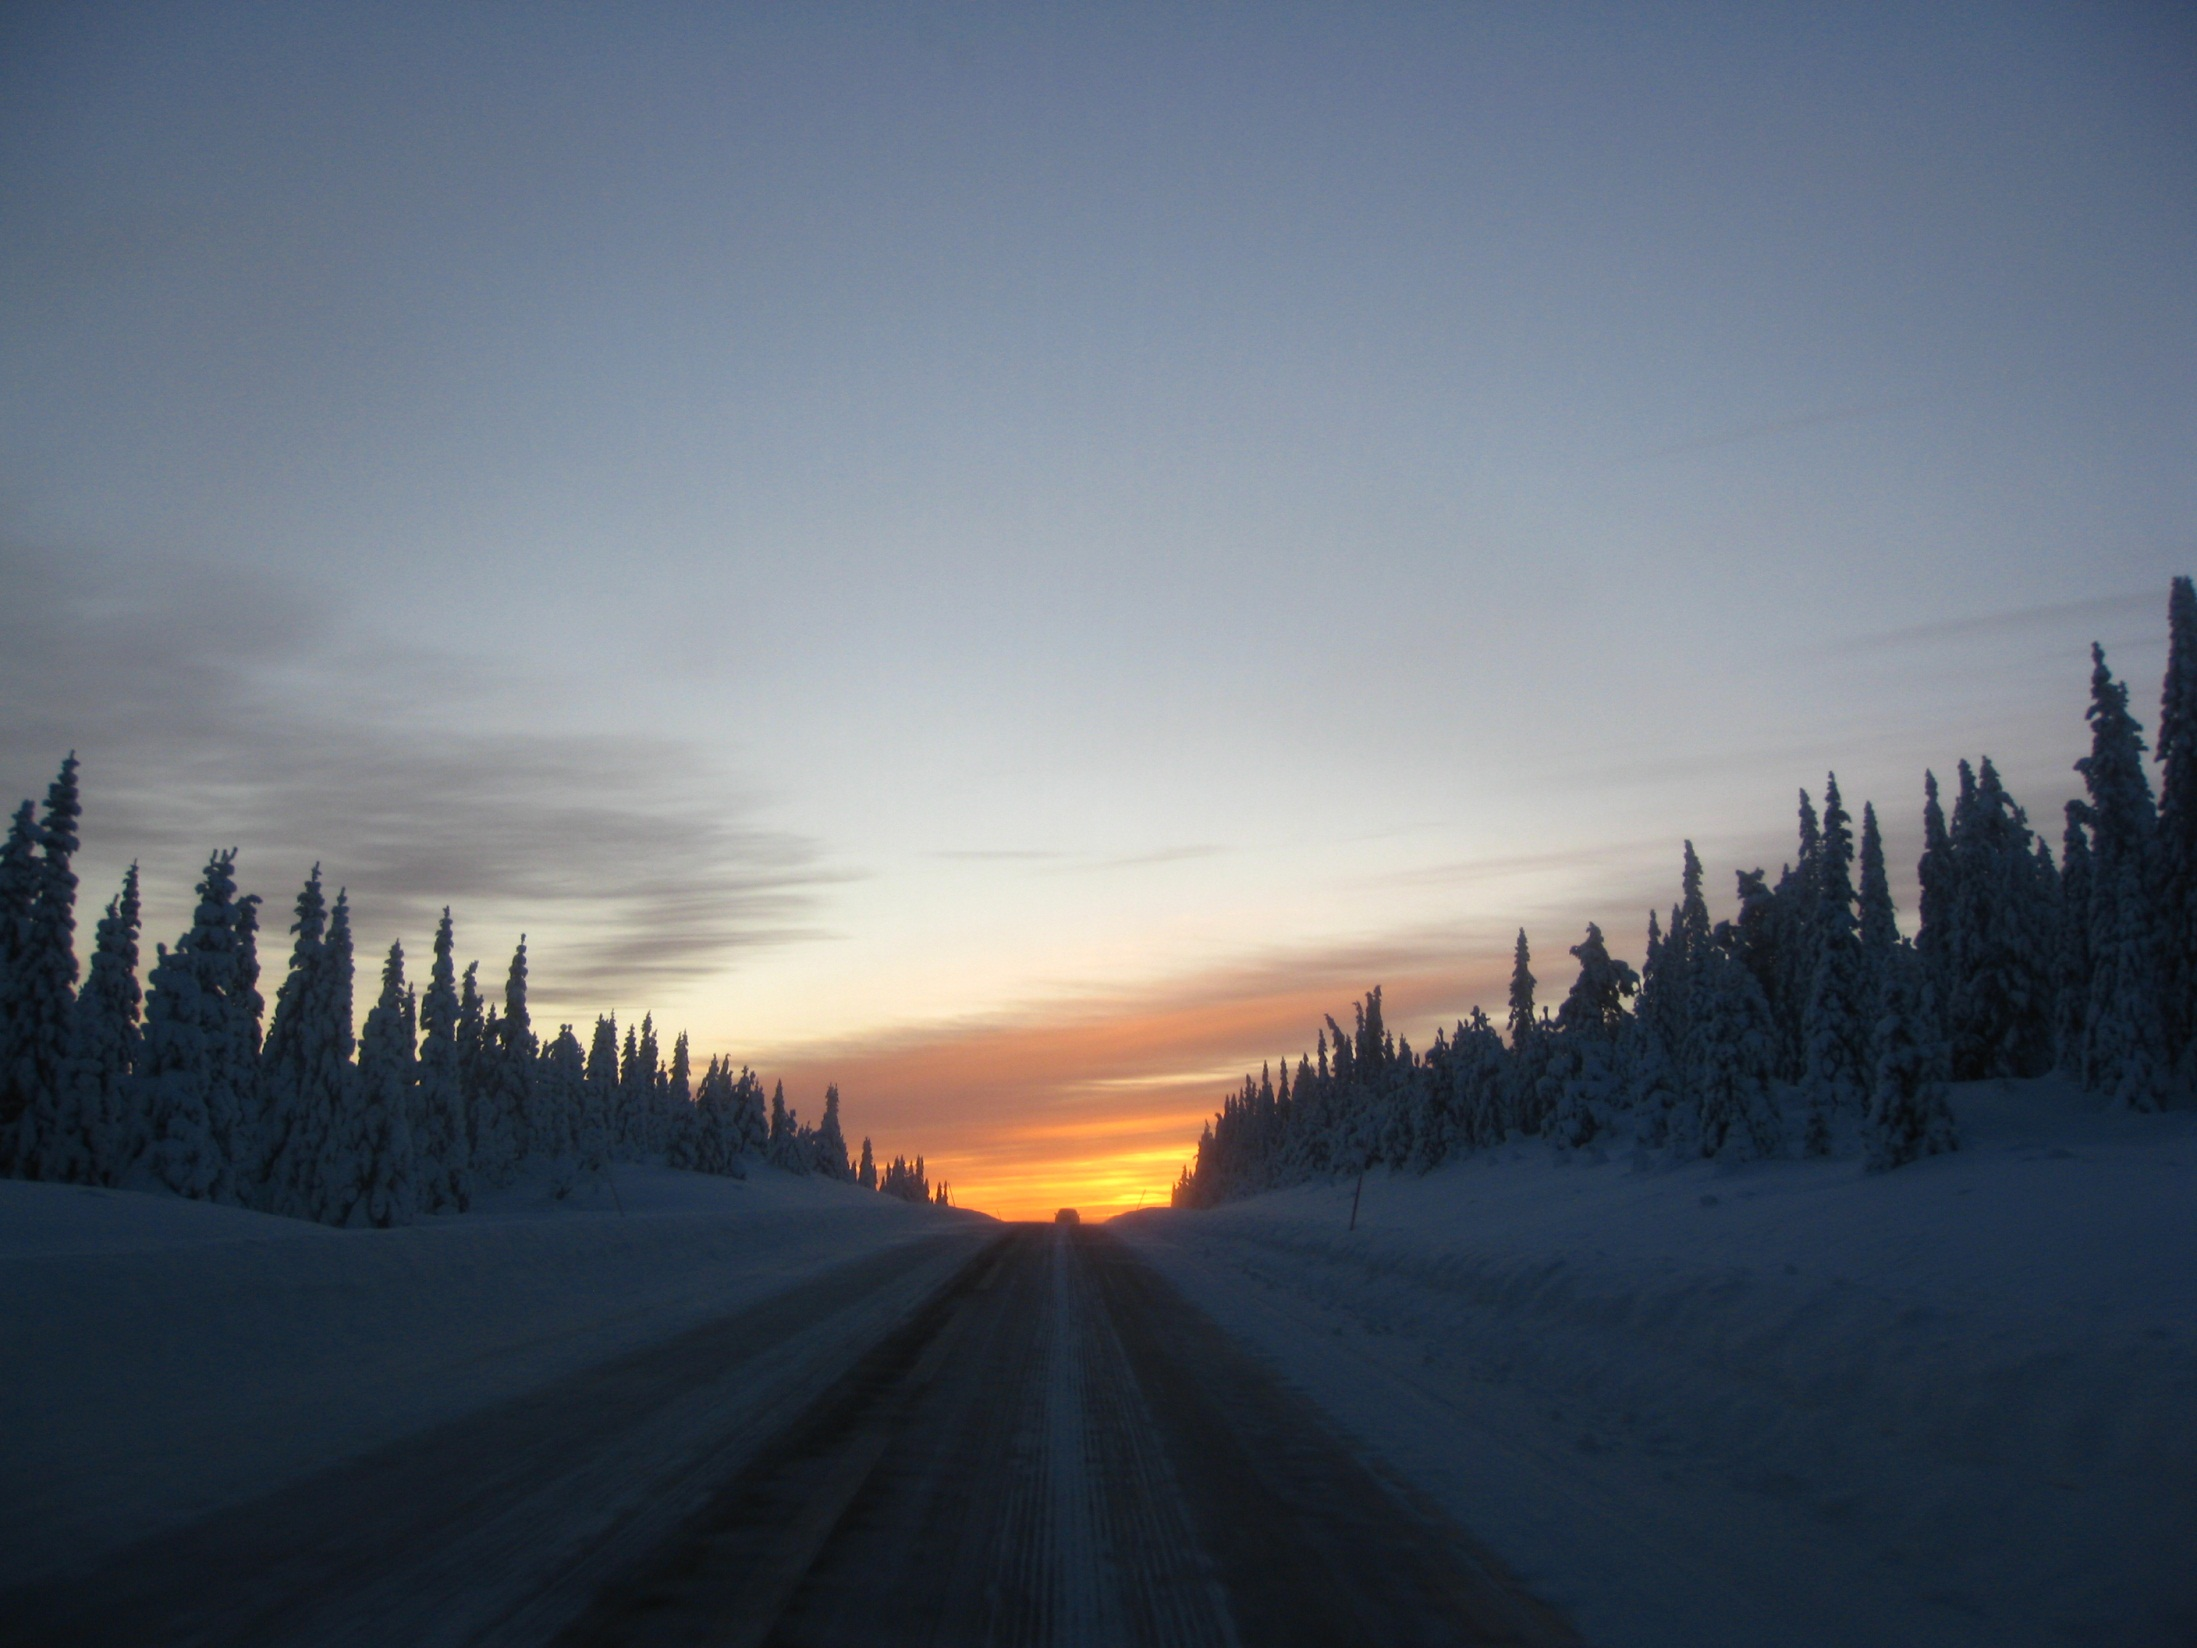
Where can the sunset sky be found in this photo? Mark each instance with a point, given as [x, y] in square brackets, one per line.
[1011, 558]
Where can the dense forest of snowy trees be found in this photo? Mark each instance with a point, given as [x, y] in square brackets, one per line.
[1808, 1022]
[194, 1085]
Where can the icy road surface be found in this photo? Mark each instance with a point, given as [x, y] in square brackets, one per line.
[1052, 1447]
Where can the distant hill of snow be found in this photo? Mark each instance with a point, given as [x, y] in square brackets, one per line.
[1788, 1402]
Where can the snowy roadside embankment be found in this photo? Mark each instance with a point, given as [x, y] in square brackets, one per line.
[1788, 1403]
[162, 1358]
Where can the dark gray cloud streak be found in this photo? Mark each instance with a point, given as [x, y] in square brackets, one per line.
[211, 708]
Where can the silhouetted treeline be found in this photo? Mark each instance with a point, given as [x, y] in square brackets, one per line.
[1808, 1022]
[195, 1085]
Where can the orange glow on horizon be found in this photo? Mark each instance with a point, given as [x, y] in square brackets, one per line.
[1099, 1105]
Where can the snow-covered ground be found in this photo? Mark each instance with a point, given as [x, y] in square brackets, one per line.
[1790, 1403]
[161, 1358]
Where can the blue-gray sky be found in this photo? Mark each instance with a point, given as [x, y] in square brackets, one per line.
[876, 527]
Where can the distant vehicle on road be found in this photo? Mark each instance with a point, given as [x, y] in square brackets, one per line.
[1067, 1216]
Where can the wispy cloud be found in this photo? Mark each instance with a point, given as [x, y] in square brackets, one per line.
[1772, 427]
[2103, 609]
[210, 709]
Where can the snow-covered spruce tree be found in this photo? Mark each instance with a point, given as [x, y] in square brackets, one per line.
[779, 1150]
[598, 1117]
[18, 897]
[2124, 1037]
[442, 1149]
[1934, 873]
[1908, 1112]
[42, 991]
[1529, 1094]
[560, 1109]
[643, 1082]
[1835, 1024]
[831, 1141]
[100, 1138]
[334, 1136]
[2177, 831]
[866, 1174]
[1787, 972]
[383, 1192]
[1730, 1061]
[1879, 916]
[2071, 1011]
[1590, 1085]
[503, 1117]
[301, 1069]
[1998, 1015]
[196, 1056]
[626, 1120]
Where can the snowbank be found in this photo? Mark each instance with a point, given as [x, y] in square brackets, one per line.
[1789, 1403]
[161, 1358]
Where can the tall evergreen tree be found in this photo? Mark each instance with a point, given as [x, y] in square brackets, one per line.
[560, 1092]
[1836, 1020]
[329, 1182]
[1879, 917]
[1934, 872]
[784, 1128]
[2072, 1004]
[2124, 1036]
[1908, 1112]
[377, 1187]
[1521, 1023]
[598, 1118]
[196, 1057]
[301, 1074]
[2177, 830]
[503, 1117]
[19, 879]
[1731, 1057]
[95, 1140]
[43, 991]
[866, 1174]
[1999, 943]
[831, 1142]
[443, 1149]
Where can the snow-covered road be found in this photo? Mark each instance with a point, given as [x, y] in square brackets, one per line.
[1062, 1451]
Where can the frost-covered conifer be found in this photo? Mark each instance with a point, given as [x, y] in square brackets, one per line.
[1879, 930]
[18, 897]
[831, 1142]
[2124, 1038]
[866, 1174]
[196, 1055]
[383, 1192]
[1596, 1003]
[1908, 1112]
[1730, 1061]
[2177, 830]
[98, 1139]
[42, 992]
[503, 1114]
[561, 1108]
[2072, 1007]
[301, 1074]
[1935, 872]
[646, 1090]
[330, 1179]
[443, 1149]
[779, 1147]
[1521, 1023]
[597, 1121]
[1835, 1025]
[1999, 949]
